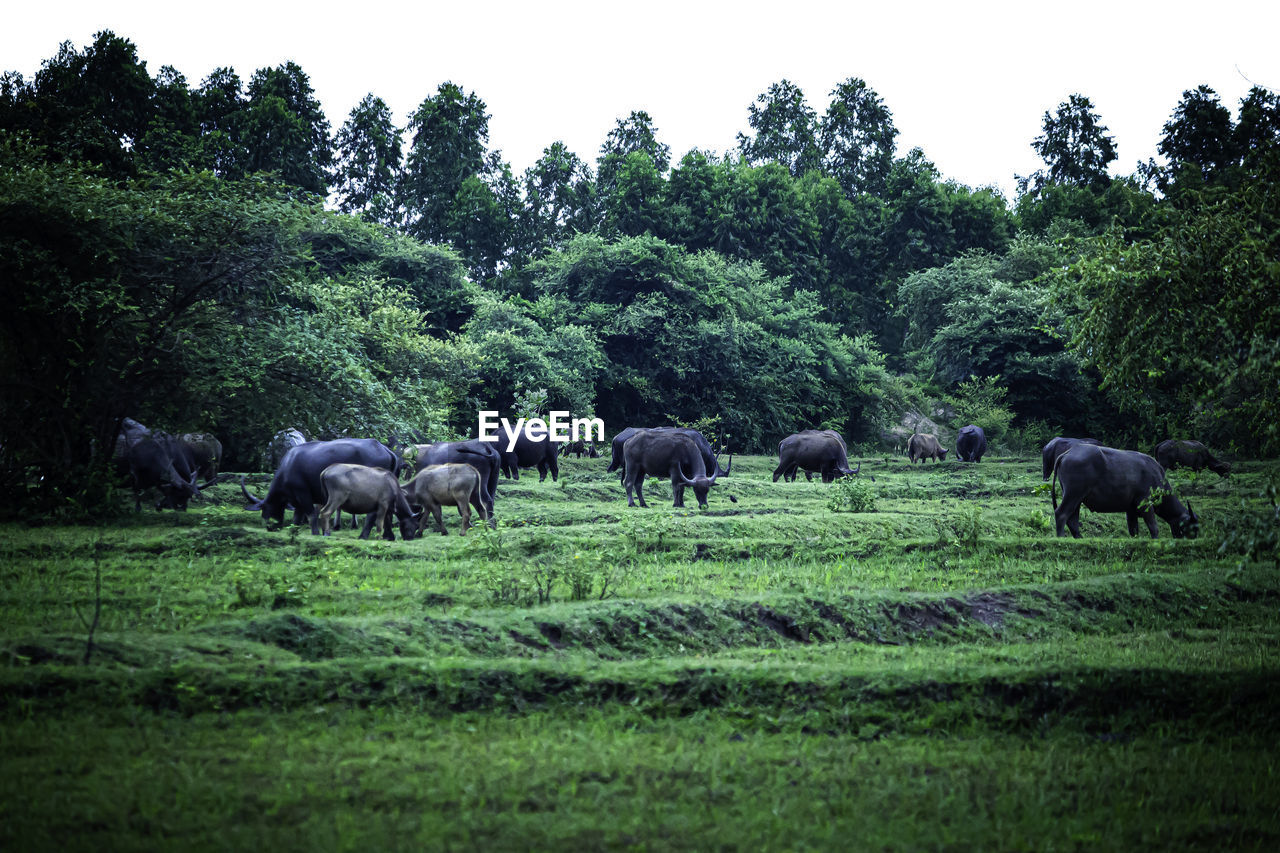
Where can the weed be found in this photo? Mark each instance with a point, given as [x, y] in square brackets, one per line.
[850, 494]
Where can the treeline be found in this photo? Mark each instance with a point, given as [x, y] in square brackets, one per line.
[170, 257]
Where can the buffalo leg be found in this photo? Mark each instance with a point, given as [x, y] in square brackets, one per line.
[1150, 517]
[479, 505]
[677, 489]
[465, 511]
[1132, 517]
[1068, 515]
[438, 514]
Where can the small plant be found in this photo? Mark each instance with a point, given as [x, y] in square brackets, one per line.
[850, 494]
[969, 529]
[1037, 520]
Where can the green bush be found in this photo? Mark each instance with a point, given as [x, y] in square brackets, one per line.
[850, 494]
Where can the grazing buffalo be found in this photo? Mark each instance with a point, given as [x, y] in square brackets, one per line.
[921, 447]
[453, 484]
[971, 443]
[1173, 454]
[813, 450]
[360, 489]
[481, 455]
[205, 452]
[528, 453]
[297, 481]
[618, 460]
[672, 453]
[1055, 448]
[1108, 480]
[579, 448]
[157, 462]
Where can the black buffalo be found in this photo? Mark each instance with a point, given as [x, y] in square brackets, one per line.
[528, 453]
[159, 462]
[1108, 480]
[1173, 454]
[971, 443]
[813, 450]
[297, 481]
[204, 451]
[579, 448]
[481, 455]
[921, 447]
[1055, 448]
[618, 461]
[672, 453]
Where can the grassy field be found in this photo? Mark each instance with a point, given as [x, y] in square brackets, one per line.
[937, 671]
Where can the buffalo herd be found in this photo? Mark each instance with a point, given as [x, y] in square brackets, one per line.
[317, 480]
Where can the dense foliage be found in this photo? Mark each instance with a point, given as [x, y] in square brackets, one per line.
[172, 258]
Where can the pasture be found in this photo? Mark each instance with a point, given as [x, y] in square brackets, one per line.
[936, 670]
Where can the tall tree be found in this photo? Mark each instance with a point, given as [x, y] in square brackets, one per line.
[91, 105]
[286, 131]
[450, 132]
[858, 138]
[634, 134]
[785, 130]
[1197, 140]
[220, 107]
[1075, 146]
[368, 154]
[559, 200]
[172, 135]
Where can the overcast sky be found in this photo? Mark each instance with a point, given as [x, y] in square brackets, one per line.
[967, 82]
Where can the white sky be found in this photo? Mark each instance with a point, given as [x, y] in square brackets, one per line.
[967, 82]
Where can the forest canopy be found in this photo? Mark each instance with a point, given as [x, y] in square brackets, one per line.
[220, 256]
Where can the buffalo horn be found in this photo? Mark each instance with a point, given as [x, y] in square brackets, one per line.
[254, 503]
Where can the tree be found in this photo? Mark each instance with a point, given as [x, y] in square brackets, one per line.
[285, 130]
[368, 153]
[858, 138]
[450, 132]
[90, 106]
[559, 200]
[635, 206]
[1075, 146]
[785, 130]
[1183, 327]
[632, 135]
[220, 107]
[171, 139]
[1198, 141]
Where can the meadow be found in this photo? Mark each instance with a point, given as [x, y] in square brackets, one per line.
[907, 660]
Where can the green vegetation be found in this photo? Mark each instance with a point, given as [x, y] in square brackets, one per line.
[939, 671]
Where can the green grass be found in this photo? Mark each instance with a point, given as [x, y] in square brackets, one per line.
[941, 672]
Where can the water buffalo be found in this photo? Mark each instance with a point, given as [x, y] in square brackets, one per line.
[672, 453]
[1108, 480]
[1055, 448]
[823, 451]
[361, 489]
[618, 461]
[297, 481]
[481, 455]
[578, 448]
[281, 443]
[158, 462]
[971, 443]
[1173, 454]
[528, 453]
[454, 484]
[205, 452]
[921, 447]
